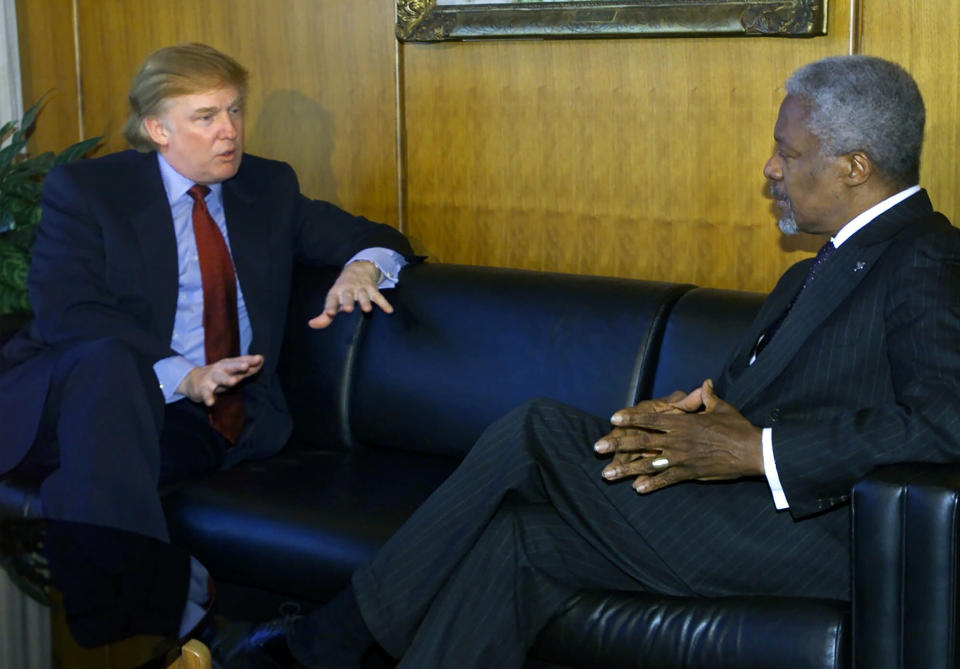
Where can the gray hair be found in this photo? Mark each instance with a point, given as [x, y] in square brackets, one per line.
[867, 104]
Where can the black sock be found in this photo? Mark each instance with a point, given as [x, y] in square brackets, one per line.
[334, 634]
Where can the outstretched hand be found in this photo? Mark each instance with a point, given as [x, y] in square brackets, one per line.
[681, 438]
[357, 284]
[203, 384]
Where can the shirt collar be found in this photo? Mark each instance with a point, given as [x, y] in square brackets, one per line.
[176, 185]
[860, 220]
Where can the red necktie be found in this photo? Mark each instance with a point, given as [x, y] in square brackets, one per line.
[221, 330]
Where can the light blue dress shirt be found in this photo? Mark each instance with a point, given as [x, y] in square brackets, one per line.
[187, 338]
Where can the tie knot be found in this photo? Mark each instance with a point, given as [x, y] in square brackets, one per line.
[198, 192]
[822, 255]
[824, 252]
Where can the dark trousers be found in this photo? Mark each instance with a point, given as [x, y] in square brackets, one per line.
[527, 521]
[505, 543]
[109, 442]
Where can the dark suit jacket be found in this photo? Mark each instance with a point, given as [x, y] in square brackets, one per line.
[105, 265]
[864, 371]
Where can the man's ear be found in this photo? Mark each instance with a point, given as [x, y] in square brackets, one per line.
[858, 168]
[157, 130]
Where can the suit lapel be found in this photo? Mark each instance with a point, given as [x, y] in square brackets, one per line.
[248, 227]
[152, 224]
[770, 310]
[837, 279]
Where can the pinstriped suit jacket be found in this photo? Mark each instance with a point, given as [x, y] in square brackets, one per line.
[865, 369]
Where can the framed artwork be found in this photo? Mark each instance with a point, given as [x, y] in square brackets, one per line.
[440, 20]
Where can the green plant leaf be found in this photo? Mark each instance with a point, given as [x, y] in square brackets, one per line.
[26, 122]
[7, 130]
[20, 208]
[77, 151]
[13, 300]
[14, 265]
[39, 164]
[8, 155]
[33, 221]
[24, 189]
[13, 262]
[21, 180]
[20, 239]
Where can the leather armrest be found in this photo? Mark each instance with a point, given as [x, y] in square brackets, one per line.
[905, 561]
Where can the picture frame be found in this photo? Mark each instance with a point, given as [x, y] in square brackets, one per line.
[443, 20]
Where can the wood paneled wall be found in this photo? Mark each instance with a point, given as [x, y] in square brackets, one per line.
[633, 157]
[48, 69]
[638, 158]
[924, 36]
[322, 93]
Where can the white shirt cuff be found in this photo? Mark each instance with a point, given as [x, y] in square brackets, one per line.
[770, 470]
[197, 595]
[388, 261]
[170, 372]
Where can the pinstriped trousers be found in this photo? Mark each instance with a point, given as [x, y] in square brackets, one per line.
[505, 543]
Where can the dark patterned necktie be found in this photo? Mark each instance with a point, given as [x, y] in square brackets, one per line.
[812, 272]
[221, 329]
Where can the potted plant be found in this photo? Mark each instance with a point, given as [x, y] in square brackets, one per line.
[21, 179]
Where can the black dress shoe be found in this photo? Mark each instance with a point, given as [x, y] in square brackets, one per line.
[264, 646]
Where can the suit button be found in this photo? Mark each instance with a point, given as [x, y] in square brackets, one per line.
[775, 415]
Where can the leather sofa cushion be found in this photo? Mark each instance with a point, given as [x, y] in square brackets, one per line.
[468, 344]
[315, 365]
[612, 629]
[300, 522]
[701, 332]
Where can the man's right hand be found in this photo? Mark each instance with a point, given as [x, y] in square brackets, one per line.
[624, 443]
[202, 384]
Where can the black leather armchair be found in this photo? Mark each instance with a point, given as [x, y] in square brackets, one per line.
[905, 567]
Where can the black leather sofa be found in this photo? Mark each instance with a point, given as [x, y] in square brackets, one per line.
[384, 408]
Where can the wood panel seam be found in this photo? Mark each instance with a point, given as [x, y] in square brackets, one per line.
[76, 59]
[856, 28]
[401, 137]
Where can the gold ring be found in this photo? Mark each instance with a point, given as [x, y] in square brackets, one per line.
[660, 463]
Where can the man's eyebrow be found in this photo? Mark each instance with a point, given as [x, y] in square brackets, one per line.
[205, 110]
[781, 142]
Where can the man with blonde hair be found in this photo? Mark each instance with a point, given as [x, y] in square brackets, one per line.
[160, 279]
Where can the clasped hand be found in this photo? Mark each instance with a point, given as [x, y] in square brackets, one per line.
[357, 284]
[681, 437]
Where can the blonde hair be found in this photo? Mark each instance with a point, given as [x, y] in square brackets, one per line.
[183, 69]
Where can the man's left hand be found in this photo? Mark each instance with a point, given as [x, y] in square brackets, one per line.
[357, 284]
[713, 444]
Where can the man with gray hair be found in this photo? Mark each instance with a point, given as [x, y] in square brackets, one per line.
[851, 363]
[866, 104]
